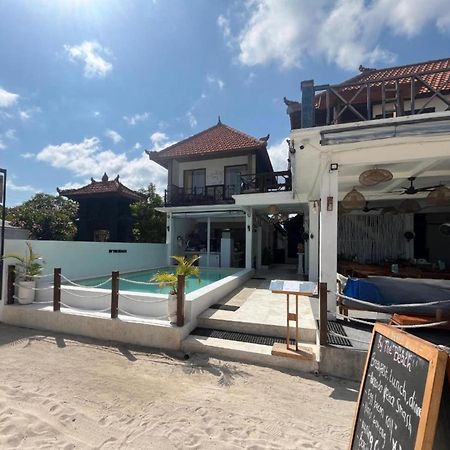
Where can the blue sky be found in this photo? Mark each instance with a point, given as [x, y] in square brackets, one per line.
[87, 85]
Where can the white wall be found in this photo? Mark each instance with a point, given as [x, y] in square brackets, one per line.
[90, 259]
[215, 168]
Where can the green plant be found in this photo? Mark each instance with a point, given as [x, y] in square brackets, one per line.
[166, 279]
[28, 264]
[185, 267]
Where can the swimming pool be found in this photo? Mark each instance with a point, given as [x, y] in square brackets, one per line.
[207, 277]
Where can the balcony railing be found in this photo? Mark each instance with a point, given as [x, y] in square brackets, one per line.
[220, 193]
[369, 100]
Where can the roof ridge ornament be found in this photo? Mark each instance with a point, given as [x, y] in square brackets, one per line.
[105, 178]
[265, 138]
[363, 69]
[219, 122]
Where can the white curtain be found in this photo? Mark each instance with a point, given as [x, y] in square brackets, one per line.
[373, 238]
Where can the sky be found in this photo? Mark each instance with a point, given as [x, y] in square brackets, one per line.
[87, 85]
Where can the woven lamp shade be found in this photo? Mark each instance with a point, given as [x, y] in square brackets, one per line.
[439, 197]
[409, 206]
[272, 210]
[373, 177]
[354, 200]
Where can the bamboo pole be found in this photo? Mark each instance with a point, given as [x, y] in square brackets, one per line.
[56, 289]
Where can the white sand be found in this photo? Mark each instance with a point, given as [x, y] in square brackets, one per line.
[58, 392]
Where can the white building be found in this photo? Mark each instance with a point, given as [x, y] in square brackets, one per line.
[220, 186]
[395, 119]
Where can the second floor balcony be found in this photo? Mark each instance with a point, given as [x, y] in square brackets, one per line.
[222, 193]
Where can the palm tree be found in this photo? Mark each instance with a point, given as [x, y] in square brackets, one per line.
[185, 268]
[29, 265]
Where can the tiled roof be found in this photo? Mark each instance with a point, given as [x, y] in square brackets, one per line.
[217, 139]
[439, 81]
[100, 188]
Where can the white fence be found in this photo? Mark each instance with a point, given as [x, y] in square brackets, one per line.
[79, 260]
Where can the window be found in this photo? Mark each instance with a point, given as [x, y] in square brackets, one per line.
[233, 179]
[194, 181]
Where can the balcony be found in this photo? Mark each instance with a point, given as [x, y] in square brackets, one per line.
[223, 194]
[395, 96]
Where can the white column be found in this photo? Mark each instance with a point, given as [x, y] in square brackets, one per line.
[169, 234]
[258, 246]
[248, 238]
[208, 240]
[313, 242]
[328, 235]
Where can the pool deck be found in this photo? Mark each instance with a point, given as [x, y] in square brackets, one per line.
[262, 312]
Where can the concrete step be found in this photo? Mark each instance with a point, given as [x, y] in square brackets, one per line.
[306, 334]
[249, 353]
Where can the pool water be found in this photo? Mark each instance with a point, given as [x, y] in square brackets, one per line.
[207, 276]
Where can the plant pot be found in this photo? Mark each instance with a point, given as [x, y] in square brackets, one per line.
[172, 308]
[25, 292]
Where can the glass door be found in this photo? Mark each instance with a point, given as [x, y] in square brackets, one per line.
[233, 179]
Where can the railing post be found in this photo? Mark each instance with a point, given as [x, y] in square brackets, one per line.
[10, 285]
[323, 319]
[308, 107]
[114, 295]
[180, 300]
[56, 289]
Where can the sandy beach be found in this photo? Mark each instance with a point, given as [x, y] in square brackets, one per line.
[69, 392]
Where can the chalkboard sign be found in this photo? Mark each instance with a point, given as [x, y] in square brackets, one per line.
[400, 393]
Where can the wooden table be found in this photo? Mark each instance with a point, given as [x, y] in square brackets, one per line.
[296, 288]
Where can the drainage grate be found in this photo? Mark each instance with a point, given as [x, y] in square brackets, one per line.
[259, 278]
[224, 307]
[241, 337]
[337, 340]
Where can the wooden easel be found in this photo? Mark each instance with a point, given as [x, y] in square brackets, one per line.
[288, 288]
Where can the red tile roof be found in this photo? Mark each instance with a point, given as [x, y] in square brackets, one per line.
[439, 81]
[217, 139]
[100, 188]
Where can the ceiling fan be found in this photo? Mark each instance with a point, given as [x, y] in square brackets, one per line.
[412, 190]
[366, 208]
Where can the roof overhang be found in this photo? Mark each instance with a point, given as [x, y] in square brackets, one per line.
[407, 146]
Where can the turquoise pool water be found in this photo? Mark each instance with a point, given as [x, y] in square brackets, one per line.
[207, 276]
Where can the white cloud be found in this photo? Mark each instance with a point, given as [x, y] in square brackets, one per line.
[114, 136]
[224, 25]
[7, 135]
[7, 99]
[27, 155]
[10, 134]
[21, 188]
[74, 184]
[159, 140]
[215, 81]
[134, 119]
[344, 32]
[279, 154]
[89, 159]
[24, 115]
[192, 119]
[92, 55]
[137, 146]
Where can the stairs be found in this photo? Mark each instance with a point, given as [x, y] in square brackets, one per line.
[249, 353]
[307, 329]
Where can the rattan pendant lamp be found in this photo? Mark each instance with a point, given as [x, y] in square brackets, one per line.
[375, 176]
[439, 197]
[354, 200]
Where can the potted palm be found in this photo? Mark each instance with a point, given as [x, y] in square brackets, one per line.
[27, 268]
[185, 268]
